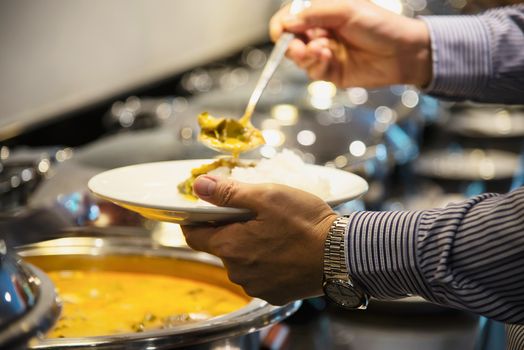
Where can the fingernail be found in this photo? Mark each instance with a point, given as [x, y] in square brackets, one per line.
[204, 186]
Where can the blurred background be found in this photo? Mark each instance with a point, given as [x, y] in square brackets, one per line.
[91, 85]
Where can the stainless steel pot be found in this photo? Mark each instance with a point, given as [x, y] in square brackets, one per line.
[28, 304]
[236, 330]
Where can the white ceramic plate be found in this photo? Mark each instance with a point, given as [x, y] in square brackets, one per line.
[151, 190]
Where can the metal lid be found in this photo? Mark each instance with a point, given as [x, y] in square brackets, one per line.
[28, 304]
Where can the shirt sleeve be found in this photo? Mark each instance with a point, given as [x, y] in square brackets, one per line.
[469, 255]
[479, 58]
[514, 337]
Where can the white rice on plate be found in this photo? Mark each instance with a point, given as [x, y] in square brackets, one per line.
[285, 168]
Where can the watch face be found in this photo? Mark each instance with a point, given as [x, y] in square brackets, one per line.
[344, 294]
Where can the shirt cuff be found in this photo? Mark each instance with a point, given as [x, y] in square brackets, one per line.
[461, 55]
[382, 256]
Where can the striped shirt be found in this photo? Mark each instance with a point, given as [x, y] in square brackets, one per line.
[479, 58]
[469, 255]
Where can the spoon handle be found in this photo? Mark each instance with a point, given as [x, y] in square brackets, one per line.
[272, 63]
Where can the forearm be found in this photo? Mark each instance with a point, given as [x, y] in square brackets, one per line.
[468, 255]
[478, 58]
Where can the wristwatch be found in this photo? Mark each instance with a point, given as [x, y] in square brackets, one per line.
[338, 286]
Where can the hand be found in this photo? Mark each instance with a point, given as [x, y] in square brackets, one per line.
[357, 43]
[278, 255]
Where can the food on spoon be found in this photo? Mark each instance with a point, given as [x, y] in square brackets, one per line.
[229, 135]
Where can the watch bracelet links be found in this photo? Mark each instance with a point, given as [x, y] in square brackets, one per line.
[334, 250]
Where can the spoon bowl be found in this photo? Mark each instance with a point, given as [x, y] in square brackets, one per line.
[229, 135]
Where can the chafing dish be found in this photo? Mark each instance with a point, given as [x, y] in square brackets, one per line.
[235, 330]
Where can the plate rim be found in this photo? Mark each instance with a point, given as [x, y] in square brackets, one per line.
[212, 209]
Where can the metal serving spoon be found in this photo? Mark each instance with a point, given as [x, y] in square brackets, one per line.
[231, 135]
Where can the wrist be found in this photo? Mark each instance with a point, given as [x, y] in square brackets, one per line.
[338, 285]
[415, 59]
[324, 228]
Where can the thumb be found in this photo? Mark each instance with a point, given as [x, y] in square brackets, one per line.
[226, 192]
[318, 15]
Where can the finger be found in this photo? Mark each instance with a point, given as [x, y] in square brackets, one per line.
[308, 62]
[326, 54]
[308, 55]
[229, 193]
[319, 14]
[320, 56]
[318, 71]
[338, 71]
[276, 23]
[199, 237]
[315, 47]
[315, 33]
[296, 50]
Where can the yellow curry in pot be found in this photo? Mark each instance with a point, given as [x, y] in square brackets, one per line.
[106, 302]
[115, 294]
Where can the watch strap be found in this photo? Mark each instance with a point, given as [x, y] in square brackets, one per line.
[335, 250]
